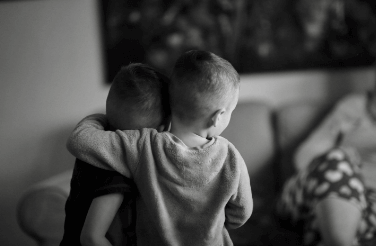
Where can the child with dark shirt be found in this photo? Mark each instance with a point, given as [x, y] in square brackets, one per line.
[144, 90]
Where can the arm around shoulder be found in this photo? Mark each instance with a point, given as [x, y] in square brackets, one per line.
[89, 142]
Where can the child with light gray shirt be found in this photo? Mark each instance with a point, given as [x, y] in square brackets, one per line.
[193, 184]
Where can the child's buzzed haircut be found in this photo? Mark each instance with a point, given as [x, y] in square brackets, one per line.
[140, 89]
[200, 81]
[174, 170]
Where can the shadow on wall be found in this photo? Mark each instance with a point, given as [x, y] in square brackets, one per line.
[52, 157]
[58, 157]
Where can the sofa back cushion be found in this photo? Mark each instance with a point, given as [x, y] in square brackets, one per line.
[251, 131]
[294, 122]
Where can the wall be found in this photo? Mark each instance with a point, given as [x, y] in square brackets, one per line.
[289, 87]
[51, 76]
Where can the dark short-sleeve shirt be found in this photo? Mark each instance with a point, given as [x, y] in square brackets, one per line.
[89, 182]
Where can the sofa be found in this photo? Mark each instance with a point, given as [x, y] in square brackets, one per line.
[266, 137]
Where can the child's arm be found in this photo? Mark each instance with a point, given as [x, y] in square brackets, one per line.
[99, 218]
[89, 142]
[239, 209]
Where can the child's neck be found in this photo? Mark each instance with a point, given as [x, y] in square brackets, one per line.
[188, 136]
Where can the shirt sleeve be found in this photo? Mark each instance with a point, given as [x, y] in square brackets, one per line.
[112, 182]
[118, 150]
[94, 181]
[239, 208]
[342, 118]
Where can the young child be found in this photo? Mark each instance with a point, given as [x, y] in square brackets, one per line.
[193, 184]
[145, 91]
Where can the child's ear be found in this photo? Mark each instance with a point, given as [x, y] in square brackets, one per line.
[217, 117]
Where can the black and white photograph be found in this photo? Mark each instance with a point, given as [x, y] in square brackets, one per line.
[188, 123]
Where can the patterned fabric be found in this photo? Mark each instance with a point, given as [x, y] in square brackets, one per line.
[330, 175]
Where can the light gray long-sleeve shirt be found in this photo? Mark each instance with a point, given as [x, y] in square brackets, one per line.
[188, 196]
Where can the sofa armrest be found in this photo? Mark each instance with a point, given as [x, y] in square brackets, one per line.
[40, 211]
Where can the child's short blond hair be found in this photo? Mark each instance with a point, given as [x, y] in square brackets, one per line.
[138, 87]
[201, 82]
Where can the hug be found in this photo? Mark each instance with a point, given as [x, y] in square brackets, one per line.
[155, 169]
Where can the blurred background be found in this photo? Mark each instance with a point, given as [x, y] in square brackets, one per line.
[255, 36]
[54, 70]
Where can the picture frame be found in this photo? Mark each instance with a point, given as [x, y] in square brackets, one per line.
[255, 36]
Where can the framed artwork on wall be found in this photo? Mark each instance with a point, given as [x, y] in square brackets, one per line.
[255, 36]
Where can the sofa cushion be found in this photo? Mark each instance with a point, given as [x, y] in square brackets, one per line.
[40, 211]
[294, 122]
[251, 131]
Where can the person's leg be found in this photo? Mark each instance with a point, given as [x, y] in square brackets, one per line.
[328, 198]
[334, 209]
[338, 221]
[337, 192]
[367, 229]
